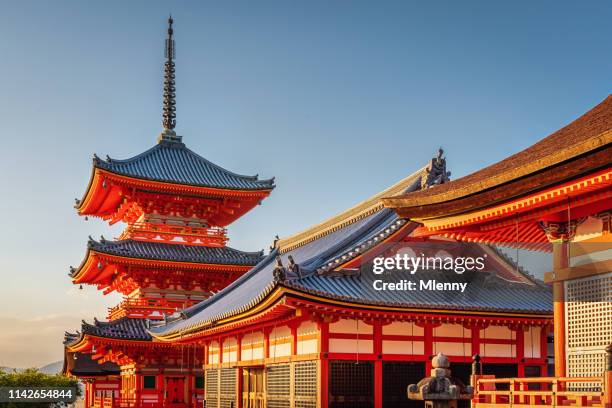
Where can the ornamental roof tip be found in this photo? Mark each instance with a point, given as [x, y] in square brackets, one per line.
[436, 172]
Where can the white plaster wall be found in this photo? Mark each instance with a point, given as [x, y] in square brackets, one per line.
[532, 342]
[452, 348]
[350, 326]
[350, 346]
[403, 347]
[402, 329]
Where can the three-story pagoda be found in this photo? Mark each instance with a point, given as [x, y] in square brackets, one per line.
[172, 254]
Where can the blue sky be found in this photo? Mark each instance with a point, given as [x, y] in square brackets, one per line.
[336, 99]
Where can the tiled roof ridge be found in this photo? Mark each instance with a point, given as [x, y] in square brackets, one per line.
[361, 248]
[355, 213]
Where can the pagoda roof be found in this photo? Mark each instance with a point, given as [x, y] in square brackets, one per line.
[82, 365]
[125, 328]
[327, 246]
[172, 162]
[162, 251]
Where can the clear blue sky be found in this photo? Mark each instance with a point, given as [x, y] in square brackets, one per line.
[336, 99]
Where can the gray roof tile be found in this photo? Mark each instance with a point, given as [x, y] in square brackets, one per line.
[173, 162]
[176, 252]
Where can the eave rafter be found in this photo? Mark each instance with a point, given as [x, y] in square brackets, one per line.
[116, 197]
[124, 352]
[517, 221]
[111, 272]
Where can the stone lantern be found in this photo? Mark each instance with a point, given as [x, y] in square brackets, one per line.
[440, 390]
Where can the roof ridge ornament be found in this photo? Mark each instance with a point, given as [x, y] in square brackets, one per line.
[435, 173]
[169, 105]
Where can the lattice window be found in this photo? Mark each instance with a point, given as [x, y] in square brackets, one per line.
[588, 309]
[351, 384]
[212, 388]
[305, 383]
[227, 388]
[278, 383]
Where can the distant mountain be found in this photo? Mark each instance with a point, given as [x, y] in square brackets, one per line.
[10, 369]
[52, 368]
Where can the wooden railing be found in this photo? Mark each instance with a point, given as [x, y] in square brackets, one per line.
[540, 392]
[110, 402]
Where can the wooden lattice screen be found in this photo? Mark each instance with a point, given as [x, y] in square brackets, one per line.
[305, 384]
[212, 388]
[278, 383]
[227, 388]
[588, 309]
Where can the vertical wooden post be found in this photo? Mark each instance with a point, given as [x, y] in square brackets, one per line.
[138, 389]
[294, 338]
[159, 386]
[475, 332]
[239, 380]
[560, 261]
[323, 364]
[608, 378]
[476, 373]
[378, 366]
[520, 348]
[428, 346]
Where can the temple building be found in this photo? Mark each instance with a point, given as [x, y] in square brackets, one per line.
[556, 194]
[306, 327]
[172, 254]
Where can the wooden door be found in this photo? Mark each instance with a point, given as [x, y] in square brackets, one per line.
[175, 391]
[253, 393]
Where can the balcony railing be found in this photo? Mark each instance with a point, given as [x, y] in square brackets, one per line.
[539, 392]
[144, 307]
[109, 402]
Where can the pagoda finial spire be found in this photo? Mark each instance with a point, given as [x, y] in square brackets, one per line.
[169, 108]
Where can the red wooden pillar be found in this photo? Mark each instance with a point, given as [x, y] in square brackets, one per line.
[88, 398]
[239, 380]
[560, 261]
[138, 389]
[266, 334]
[520, 349]
[475, 331]
[159, 386]
[294, 339]
[428, 346]
[189, 388]
[324, 364]
[378, 365]
[544, 350]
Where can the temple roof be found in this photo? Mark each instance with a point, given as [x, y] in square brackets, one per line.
[172, 162]
[590, 132]
[320, 250]
[82, 365]
[125, 329]
[176, 252]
